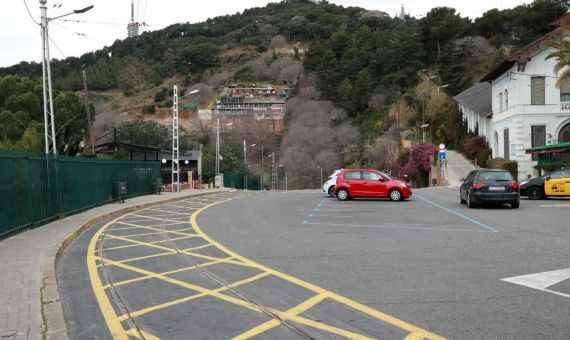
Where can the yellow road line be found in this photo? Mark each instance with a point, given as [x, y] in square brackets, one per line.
[196, 296]
[353, 304]
[114, 325]
[187, 285]
[328, 328]
[145, 335]
[164, 219]
[166, 211]
[155, 229]
[274, 322]
[139, 226]
[148, 256]
[145, 277]
[153, 233]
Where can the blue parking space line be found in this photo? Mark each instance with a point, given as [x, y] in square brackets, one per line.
[491, 229]
[396, 227]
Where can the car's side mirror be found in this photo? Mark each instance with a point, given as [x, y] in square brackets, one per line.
[381, 179]
[547, 178]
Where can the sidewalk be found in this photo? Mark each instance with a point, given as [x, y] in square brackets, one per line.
[29, 297]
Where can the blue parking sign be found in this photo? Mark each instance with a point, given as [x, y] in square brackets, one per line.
[441, 155]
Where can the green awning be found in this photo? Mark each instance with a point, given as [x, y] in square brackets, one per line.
[553, 148]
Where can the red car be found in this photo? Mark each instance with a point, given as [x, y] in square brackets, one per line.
[352, 183]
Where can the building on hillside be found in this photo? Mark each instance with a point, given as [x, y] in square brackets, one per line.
[239, 102]
[527, 109]
[132, 27]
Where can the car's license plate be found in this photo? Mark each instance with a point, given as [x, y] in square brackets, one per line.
[496, 188]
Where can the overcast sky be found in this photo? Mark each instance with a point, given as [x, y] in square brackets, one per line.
[20, 36]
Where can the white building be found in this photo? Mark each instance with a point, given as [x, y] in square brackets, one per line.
[527, 109]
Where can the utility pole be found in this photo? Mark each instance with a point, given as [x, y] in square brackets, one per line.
[245, 165]
[89, 125]
[262, 157]
[175, 144]
[273, 172]
[218, 144]
[49, 120]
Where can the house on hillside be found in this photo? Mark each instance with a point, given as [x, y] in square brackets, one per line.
[517, 105]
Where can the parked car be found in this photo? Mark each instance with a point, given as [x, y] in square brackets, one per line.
[328, 187]
[352, 183]
[555, 184]
[489, 186]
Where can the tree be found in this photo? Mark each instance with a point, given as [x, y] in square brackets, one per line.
[562, 55]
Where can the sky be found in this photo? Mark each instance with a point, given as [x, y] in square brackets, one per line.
[20, 37]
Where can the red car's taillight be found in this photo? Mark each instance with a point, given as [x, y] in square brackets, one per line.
[514, 185]
[478, 185]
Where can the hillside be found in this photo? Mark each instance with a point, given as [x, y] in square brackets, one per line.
[361, 80]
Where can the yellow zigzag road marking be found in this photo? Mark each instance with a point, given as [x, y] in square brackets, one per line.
[118, 332]
[338, 298]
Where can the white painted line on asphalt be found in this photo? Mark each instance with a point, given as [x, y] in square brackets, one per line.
[339, 216]
[457, 214]
[394, 227]
[541, 281]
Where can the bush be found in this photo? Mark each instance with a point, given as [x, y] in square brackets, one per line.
[551, 167]
[474, 145]
[501, 163]
[483, 156]
[148, 109]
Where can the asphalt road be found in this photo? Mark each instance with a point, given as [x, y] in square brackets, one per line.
[301, 265]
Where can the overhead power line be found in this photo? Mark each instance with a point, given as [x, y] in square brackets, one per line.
[30, 13]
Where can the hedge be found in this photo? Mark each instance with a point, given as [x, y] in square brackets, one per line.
[501, 163]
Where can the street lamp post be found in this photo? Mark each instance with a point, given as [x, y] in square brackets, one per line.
[245, 162]
[318, 166]
[49, 120]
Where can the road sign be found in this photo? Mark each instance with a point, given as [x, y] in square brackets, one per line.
[441, 155]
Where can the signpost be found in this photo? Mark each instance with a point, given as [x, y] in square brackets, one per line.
[441, 165]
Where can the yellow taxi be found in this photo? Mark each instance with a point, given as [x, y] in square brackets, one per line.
[556, 184]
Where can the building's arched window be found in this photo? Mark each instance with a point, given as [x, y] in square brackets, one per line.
[500, 101]
[564, 134]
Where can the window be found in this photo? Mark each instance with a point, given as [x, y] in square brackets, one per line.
[537, 90]
[471, 176]
[500, 101]
[506, 99]
[565, 91]
[495, 176]
[352, 175]
[537, 138]
[371, 176]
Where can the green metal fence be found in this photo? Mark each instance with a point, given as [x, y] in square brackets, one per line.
[236, 181]
[35, 189]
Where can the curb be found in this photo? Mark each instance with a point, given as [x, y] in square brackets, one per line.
[52, 318]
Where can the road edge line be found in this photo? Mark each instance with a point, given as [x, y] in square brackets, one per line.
[54, 309]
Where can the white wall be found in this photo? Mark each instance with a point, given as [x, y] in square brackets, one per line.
[520, 115]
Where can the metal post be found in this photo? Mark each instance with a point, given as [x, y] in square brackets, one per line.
[175, 144]
[49, 121]
[245, 165]
[273, 172]
[90, 126]
[285, 179]
[262, 157]
[218, 145]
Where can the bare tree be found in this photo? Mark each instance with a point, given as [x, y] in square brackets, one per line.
[219, 79]
[278, 41]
